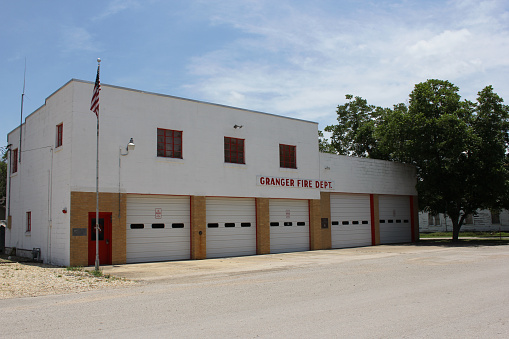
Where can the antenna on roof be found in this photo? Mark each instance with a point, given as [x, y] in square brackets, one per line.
[21, 118]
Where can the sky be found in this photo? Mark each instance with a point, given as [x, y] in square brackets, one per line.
[293, 58]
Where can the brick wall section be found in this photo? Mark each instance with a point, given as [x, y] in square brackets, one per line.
[375, 210]
[84, 202]
[198, 224]
[262, 226]
[315, 226]
[415, 216]
[326, 213]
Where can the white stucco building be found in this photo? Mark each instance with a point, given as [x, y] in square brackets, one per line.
[203, 181]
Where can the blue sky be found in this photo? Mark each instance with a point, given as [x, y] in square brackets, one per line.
[289, 57]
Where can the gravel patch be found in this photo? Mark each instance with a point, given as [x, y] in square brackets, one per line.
[20, 278]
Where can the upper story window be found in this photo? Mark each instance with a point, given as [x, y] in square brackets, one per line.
[287, 156]
[234, 150]
[60, 133]
[169, 143]
[29, 222]
[14, 161]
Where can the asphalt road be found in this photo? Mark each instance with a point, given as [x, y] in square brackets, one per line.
[404, 291]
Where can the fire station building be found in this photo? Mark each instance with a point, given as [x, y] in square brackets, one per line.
[183, 179]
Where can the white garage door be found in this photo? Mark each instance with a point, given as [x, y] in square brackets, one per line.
[289, 225]
[395, 224]
[157, 228]
[231, 227]
[350, 220]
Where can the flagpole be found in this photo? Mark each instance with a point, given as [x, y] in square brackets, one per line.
[97, 183]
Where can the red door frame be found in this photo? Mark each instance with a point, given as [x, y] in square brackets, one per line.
[104, 239]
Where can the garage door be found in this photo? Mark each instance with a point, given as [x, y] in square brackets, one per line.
[395, 226]
[158, 228]
[289, 225]
[350, 220]
[231, 227]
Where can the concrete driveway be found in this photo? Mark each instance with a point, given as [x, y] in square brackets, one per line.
[195, 269]
[404, 291]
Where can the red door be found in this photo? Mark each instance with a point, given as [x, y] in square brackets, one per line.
[104, 238]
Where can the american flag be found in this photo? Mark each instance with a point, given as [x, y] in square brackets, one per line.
[94, 104]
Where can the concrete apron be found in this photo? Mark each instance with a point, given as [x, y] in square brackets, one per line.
[177, 270]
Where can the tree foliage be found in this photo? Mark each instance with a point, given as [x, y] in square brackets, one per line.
[458, 147]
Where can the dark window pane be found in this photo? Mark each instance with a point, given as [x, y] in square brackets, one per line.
[101, 231]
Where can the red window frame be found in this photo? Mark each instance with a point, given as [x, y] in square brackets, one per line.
[287, 156]
[14, 161]
[60, 133]
[234, 150]
[29, 222]
[169, 143]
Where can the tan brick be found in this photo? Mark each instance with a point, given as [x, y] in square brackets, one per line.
[326, 213]
[262, 226]
[198, 227]
[84, 202]
[375, 210]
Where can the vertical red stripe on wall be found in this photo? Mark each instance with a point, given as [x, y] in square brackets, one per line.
[309, 222]
[412, 219]
[372, 212]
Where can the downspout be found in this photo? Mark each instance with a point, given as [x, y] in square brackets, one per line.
[9, 219]
[50, 205]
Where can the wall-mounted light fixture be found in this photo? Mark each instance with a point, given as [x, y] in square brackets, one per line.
[64, 210]
[237, 126]
[327, 168]
[130, 147]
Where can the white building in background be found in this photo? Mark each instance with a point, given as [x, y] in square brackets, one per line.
[203, 181]
[483, 221]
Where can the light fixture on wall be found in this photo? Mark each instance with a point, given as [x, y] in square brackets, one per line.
[130, 147]
[327, 168]
[64, 210]
[237, 126]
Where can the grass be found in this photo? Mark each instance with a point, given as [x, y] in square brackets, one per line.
[465, 234]
[95, 273]
[74, 268]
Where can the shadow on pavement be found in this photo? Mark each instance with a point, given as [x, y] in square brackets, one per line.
[465, 242]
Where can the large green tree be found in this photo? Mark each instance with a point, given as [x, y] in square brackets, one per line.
[459, 147]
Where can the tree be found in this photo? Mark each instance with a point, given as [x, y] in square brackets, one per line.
[459, 147]
[354, 133]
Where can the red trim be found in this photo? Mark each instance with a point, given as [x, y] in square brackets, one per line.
[372, 212]
[234, 151]
[412, 219]
[190, 227]
[309, 222]
[287, 156]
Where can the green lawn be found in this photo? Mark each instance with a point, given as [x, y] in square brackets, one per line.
[465, 234]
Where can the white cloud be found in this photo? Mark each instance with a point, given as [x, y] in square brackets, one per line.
[302, 62]
[115, 7]
[77, 39]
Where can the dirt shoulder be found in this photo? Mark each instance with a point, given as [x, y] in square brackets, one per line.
[22, 278]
